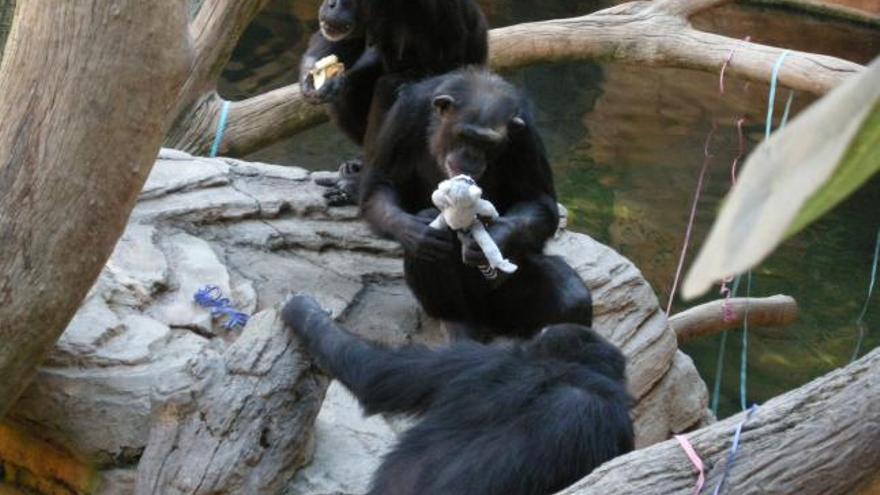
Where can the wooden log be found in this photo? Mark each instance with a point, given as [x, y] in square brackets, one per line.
[820, 439]
[709, 319]
[88, 89]
[244, 428]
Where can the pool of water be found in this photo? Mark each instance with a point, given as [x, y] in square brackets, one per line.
[626, 145]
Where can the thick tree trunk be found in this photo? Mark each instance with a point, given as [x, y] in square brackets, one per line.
[820, 439]
[87, 90]
[643, 33]
[7, 10]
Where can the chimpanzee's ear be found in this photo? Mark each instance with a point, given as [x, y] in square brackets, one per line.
[443, 103]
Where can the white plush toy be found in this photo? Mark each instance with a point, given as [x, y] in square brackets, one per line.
[461, 209]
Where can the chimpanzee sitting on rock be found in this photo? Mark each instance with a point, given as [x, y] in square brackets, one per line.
[474, 123]
[524, 419]
[382, 44]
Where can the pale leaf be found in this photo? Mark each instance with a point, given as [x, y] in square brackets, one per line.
[786, 172]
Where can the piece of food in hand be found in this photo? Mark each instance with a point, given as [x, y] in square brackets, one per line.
[325, 69]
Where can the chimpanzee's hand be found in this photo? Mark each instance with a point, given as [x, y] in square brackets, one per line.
[299, 309]
[472, 254]
[423, 242]
[327, 93]
[343, 188]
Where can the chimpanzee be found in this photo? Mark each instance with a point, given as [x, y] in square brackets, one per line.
[523, 419]
[472, 122]
[384, 43]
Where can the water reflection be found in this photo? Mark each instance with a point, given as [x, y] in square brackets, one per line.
[626, 147]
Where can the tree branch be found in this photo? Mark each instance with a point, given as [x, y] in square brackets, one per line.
[820, 439]
[709, 319]
[248, 127]
[640, 37]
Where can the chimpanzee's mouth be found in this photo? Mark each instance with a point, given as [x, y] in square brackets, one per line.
[335, 32]
[455, 165]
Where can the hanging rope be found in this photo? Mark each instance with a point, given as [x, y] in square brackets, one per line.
[707, 157]
[731, 456]
[873, 281]
[221, 129]
[722, 348]
[860, 320]
[768, 127]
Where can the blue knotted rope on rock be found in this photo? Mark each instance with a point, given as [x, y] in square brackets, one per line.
[210, 296]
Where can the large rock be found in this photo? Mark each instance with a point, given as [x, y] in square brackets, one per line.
[259, 232]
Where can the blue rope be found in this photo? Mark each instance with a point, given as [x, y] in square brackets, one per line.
[744, 353]
[860, 320]
[221, 129]
[773, 78]
[210, 296]
[873, 279]
[787, 109]
[722, 351]
[731, 456]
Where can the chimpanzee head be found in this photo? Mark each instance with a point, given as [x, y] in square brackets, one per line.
[475, 116]
[577, 343]
[339, 19]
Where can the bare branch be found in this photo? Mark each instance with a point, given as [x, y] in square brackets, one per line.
[253, 123]
[712, 318]
[642, 37]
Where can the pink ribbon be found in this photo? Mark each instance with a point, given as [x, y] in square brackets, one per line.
[695, 460]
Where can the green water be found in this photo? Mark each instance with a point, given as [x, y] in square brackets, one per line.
[626, 144]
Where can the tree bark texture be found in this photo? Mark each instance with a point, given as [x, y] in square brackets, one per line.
[86, 89]
[820, 439]
[713, 317]
[654, 34]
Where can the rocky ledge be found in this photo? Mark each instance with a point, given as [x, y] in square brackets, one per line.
[145, 393]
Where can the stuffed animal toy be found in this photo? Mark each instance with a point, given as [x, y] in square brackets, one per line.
[462, 209]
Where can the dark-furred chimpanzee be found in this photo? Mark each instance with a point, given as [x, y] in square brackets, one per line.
[524, 419]
[383, 44]
[472, 122]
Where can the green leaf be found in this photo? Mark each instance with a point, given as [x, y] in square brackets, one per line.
[793, 178]
[861, 161]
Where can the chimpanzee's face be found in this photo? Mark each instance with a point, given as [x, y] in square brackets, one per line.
[339, 19]
[474, 117]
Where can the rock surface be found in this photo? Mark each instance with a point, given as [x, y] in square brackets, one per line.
[259, 232]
